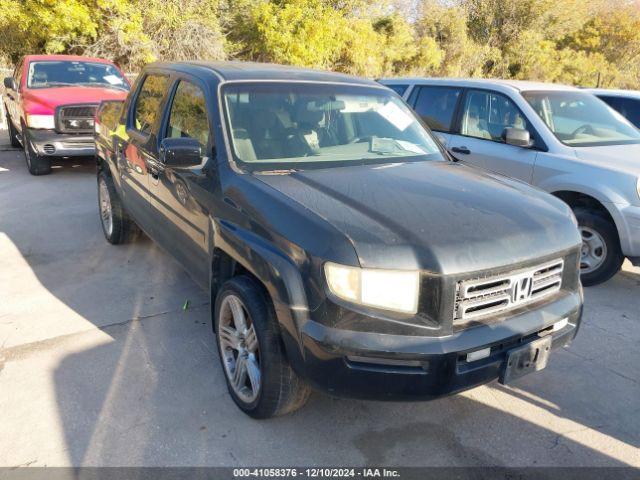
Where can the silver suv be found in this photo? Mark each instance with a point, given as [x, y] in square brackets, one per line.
[559, 138]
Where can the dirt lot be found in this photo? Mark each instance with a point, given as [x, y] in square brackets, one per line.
[100, 365]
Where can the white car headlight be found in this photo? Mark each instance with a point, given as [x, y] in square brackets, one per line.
[41, 121]
[386, 289]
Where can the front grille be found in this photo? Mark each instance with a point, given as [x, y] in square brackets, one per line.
[76, 118]
[480, 297]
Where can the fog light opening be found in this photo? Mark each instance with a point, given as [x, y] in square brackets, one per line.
[385, 361]
[478, 354]
[560, 325]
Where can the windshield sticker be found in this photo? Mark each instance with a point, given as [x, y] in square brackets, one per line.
[396, 116]
[113, 80]
[355, 104]
[411, 147]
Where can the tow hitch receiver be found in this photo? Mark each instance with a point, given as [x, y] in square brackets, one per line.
[524, 359]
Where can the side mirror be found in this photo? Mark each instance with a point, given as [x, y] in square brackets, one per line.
[518, 137]
[180, 152]
[10, 83]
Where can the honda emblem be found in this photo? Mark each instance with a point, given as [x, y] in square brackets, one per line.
[521, 289]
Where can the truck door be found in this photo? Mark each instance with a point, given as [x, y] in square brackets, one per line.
[12, 98]
[141, 146]
[484, 116]
[179, 195]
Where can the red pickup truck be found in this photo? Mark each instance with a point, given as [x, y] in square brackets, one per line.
[50, 102]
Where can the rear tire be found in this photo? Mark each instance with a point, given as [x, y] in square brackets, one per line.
[37, 164]
[273, 388]
[13, 133]
[117, 226]
[601, 256]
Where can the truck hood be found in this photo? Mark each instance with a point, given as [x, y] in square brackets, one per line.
[621, 158]
[437, 216]
[43, 101]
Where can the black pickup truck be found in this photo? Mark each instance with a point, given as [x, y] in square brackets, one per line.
[342, 247]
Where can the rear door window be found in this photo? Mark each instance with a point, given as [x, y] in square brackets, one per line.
[148, 104]
[628, 107]
[437, 106]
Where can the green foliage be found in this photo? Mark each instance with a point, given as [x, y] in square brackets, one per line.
[583, 42]
[43, 26]
[296, 32]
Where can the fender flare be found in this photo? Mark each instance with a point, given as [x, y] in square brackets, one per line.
[273, 268]
[605, 201]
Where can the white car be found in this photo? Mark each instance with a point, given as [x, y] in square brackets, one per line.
[561, 139]
[627, 102]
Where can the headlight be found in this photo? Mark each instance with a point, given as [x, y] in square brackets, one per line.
[386, 289]
[41, 121]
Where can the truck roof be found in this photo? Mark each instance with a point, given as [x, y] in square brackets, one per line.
[72, 58]
[235, 70]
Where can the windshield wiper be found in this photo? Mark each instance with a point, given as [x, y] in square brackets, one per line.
[100, 84]
[56, 84]
[282, 171]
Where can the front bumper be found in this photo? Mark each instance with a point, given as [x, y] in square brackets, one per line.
[390, 367]
[52, 143]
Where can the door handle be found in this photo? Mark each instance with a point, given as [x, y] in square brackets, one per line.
[463, 150]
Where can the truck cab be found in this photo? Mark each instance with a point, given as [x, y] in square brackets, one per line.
[343, 249]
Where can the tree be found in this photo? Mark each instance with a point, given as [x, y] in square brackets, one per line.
[461, 55]
[296, 32]
[574, 41]
[51, 26]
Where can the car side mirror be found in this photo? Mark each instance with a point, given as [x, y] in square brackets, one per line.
[180, 152]
[518, 137]
[10, 83]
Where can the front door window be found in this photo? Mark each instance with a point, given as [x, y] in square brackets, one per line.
[487, 114]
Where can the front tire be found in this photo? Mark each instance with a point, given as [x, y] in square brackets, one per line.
[36, 164]
[117, 226]
[601, 256]
[13, 133]
[259, 377]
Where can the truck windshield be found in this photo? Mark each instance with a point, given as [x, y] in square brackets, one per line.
[46, 74]
[297, 125]
[579, 119]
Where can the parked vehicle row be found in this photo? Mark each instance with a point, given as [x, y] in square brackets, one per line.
[50, 102]
[341, 245]
[345, 246]
[558, 138]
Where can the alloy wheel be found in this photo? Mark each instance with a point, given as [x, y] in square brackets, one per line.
[106, 212]
[239, 347]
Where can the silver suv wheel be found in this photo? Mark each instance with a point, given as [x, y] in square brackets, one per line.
[593, 251]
